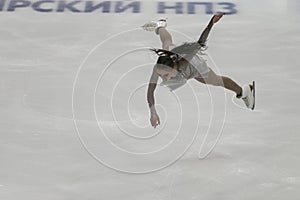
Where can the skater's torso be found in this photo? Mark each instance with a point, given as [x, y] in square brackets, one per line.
[195, 67]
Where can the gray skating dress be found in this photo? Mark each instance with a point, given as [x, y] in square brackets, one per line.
[197, 67]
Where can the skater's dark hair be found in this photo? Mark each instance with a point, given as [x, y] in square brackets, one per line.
[166, 59]
[187, 51]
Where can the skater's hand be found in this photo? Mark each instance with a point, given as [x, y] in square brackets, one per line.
[217, 17]
[154, 120]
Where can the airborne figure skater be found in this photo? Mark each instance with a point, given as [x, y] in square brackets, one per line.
[176, 65]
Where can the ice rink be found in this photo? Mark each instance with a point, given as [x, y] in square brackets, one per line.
[74, 121]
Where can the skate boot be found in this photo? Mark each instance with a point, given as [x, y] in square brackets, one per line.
[248, 95]
[154, 26]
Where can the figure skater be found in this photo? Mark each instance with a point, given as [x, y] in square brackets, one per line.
[182, 63]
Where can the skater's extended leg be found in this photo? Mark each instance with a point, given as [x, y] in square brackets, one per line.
[159, 28]
[246, 93]
[205, 33]
[231, 85]
[165, 38]
[223, 81]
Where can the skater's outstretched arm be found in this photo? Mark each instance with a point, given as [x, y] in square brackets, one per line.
[205, 33]
[154, 119]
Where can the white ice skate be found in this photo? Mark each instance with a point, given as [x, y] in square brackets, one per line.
[154, 26]
[248, 95]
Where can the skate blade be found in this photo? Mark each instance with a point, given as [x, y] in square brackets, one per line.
[253, 92]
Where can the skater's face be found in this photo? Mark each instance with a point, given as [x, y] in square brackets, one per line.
[167, 74]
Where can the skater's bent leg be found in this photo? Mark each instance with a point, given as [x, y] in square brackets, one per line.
[165, 37]
[223, 81]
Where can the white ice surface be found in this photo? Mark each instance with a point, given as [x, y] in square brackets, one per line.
[45, 154]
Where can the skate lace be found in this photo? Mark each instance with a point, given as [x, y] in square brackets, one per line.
[246, 100]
